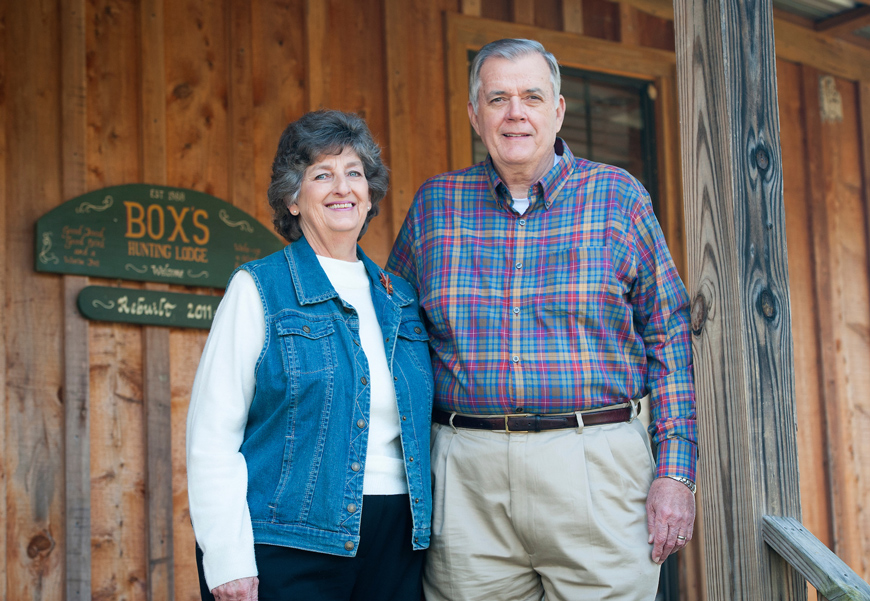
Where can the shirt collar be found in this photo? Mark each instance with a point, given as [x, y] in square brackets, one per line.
[549, 185]
[313, 286]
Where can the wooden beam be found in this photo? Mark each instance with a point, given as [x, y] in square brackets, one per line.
[317, 69]
[629, 32]
[523, 11]
[813, 560]
[76, 387]
[471, 8]
[155, 362]
[572, 16]
[399, 78]
[738, 280]
[241, 102]
[846, 22]
[5, 446]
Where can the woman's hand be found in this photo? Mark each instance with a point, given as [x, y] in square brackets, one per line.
[243, 589]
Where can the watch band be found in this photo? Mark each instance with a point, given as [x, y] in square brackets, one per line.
[684, 480]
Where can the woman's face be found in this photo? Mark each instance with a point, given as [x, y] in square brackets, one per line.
[333, 201]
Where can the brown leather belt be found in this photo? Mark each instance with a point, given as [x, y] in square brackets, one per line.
[534, 423]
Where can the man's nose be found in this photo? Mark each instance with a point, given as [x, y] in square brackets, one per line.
[516, 109]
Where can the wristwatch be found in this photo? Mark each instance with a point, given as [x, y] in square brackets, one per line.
[685, 481]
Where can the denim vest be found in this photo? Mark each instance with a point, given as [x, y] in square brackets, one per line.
[305, 440]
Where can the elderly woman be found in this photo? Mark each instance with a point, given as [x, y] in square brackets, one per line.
[308, 428]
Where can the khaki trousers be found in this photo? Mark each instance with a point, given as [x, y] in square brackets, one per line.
[557, 515]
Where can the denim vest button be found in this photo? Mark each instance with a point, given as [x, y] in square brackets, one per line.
[363, 380]
[306, 329]
[351, 508]
[360, 423]
[355, 466]
[418, 330]
[348, 545]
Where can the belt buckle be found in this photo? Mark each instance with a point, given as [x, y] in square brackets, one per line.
[507, 427]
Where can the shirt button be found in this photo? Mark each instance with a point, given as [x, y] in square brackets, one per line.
[418, 330]
[355, 466]
[515, 359]
[410, 459]
[518, 409]
[522, 221]
[404, 418]
[363, 380]
[387, 340]
[306, 329]
[351, 508]
[360, 423]
[416, 500]
[519, 265]
[348, 545]
[396, 378]
[516, 310]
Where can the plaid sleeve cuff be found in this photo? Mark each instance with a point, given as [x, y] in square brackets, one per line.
[677, 457]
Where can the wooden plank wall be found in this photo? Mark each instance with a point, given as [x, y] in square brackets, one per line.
[195, 93]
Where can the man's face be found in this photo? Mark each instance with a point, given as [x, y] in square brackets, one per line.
[517, 118]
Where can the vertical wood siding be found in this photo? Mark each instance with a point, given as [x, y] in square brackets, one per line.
[195, 93]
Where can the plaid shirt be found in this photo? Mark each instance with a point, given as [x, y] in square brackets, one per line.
[574, 305]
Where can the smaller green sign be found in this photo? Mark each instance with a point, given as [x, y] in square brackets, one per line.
[148, 307]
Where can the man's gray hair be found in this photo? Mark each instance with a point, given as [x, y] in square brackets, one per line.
[511, 49]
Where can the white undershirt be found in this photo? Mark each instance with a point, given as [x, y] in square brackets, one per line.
[219, 404]
[384, 467]
[521, 205]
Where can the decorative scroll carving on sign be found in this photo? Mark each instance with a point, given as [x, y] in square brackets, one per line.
[830, 100]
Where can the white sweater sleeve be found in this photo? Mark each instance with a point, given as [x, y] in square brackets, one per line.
[217, 476]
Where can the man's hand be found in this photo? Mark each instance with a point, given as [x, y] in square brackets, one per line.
[670, 513]
[243, 589]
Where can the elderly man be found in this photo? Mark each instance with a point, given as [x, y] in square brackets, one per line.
[552, 305]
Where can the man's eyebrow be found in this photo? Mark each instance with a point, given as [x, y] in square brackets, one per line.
[492, 93]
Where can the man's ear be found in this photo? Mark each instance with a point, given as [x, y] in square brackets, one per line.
[473, 118]
[560, 113]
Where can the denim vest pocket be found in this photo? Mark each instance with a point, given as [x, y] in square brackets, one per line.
[414, 342]
[307, 344]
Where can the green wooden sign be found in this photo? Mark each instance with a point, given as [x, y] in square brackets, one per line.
[150, 233]
[148, 307]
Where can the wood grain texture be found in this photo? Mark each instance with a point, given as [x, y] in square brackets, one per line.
[601, 19]
[33, 312]
[572, 16]
[117, 118]
[76, 357]
[840, 235]
[738, 280]
[4, 304]
[629, 28]
[470, 7]
[159, 149]
[670, 181]
[241, 102]
[523, 11]
[277, 100]
[811, 558]
[399, 74]
[812, 433]
[158, 482]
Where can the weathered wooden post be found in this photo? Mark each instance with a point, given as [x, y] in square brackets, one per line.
[738, 277]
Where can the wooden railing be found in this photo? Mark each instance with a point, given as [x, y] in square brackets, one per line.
[832, 578]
